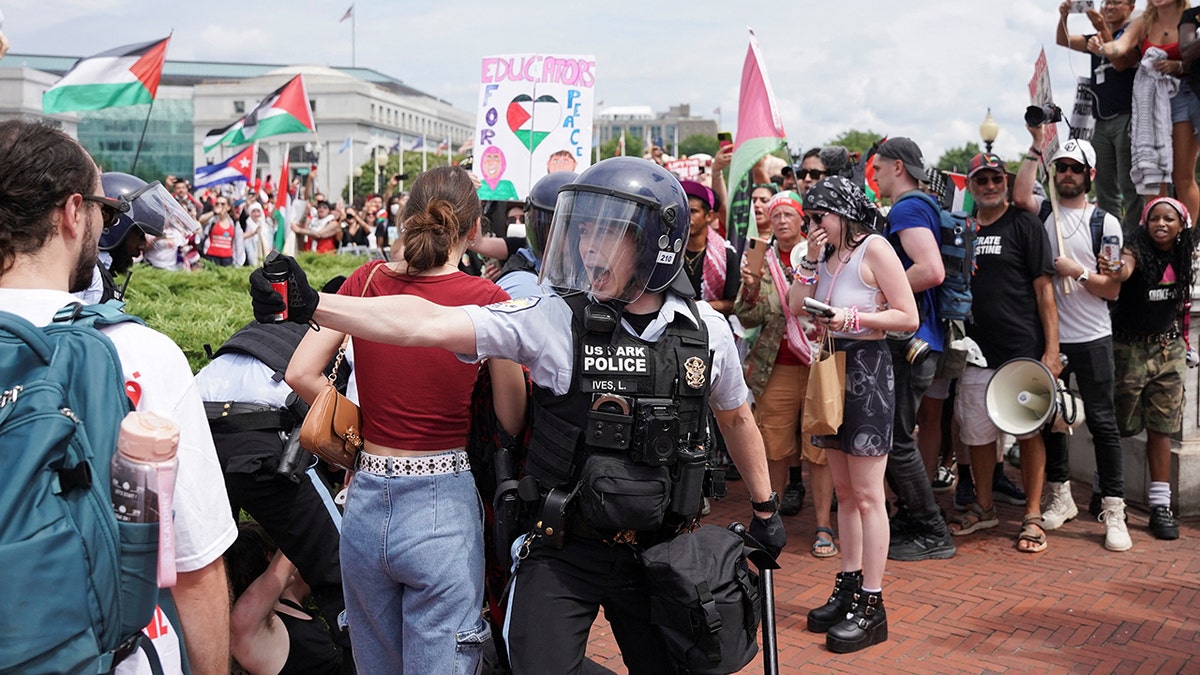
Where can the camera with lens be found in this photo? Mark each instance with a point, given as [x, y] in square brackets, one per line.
[916, 350]
[656, 431]
[1046, 113]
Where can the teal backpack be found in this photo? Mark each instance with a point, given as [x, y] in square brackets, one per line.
[80, 585]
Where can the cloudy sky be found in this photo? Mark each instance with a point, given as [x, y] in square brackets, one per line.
[928, 69]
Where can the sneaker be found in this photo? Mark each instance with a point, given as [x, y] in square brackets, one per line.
[1162, 523]
[964, 495]
[1013, 455]
[943, 480]
[1062, 506]
[923, 546]
[1116, 534]
[792, 499]
[1004, 490]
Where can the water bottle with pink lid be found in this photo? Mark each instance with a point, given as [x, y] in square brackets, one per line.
[143, 481]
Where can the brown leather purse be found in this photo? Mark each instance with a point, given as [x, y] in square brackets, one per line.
[333, 426]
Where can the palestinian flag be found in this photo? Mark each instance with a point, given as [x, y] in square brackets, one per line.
[530, 120]
[119, 77]
[283, 208]
[760, 132]
[225, 134]
[283, 111]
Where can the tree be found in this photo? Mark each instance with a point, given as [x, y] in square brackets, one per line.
[956, 160]
[365, 184]
[634, 146]
[698, 143]
[856, 141]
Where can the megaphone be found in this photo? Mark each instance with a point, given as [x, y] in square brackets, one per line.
[1023, 397]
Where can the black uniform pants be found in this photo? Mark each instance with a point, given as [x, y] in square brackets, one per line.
[556, 597]
[294, 514]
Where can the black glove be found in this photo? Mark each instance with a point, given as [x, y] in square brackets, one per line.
[769, 533]
[302, 298]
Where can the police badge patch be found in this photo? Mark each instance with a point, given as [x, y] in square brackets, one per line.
[515, 305]
[694, 372]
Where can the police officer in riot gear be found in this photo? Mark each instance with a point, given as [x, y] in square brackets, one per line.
[623, 362]
[154, 212]
[519, 277]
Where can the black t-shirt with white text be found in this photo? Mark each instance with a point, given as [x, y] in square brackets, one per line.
[1009, 254]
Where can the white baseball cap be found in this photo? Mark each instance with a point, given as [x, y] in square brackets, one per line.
[1079, 150]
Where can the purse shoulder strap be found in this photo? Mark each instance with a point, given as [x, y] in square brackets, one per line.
[341, 353]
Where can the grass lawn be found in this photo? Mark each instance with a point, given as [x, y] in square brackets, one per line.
[209, 305]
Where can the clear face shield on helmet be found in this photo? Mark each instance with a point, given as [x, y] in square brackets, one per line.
[158, 214]
[597, 245]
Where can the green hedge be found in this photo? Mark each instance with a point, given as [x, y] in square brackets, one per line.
[208, 305]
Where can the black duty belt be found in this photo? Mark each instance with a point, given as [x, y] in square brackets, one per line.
[234, 416]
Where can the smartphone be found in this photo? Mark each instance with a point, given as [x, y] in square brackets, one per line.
[817, 308]
[724, 138]
[756, 253]
[1082, 6]
[1110, 247]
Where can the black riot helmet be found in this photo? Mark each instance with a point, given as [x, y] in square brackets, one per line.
[618, 231]
[539, 208]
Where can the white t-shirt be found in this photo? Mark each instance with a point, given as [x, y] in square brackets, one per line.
[1082, 316]
[159, 380]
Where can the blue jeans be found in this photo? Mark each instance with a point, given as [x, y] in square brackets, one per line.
[1092, 364]
[412, 570]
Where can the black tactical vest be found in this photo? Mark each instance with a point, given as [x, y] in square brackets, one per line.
[653, 396]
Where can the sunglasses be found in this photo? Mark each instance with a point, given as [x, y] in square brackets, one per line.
[812, 174]
[811, 219]
[1064, 167]
[110, 209]
[515, 220]
[993, 178]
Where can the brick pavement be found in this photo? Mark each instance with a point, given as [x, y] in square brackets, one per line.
[1075, 608]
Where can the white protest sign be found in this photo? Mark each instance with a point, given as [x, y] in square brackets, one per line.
[534, 116]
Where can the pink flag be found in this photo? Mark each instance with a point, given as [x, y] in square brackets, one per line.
[759, 133]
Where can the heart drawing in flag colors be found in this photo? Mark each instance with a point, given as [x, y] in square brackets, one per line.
[532, 121]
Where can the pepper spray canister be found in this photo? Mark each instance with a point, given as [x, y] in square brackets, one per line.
[275, 268]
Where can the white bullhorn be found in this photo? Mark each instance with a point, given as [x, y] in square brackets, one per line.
[1023, 396]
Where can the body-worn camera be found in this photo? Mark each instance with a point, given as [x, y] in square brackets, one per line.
[656, 432]
[1046, 113]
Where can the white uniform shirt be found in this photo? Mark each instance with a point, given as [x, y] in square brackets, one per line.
[157, 371]
[536, 332]
[1082, 316]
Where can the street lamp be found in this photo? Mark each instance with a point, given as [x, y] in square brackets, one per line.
[989, 130]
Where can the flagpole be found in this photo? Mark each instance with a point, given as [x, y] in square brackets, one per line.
[400, 166]
[145, 125]
[353, 40]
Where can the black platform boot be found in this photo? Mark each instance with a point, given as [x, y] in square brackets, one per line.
[838, 605]
[866, 625]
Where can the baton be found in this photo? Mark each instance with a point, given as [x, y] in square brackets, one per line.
[766, 565]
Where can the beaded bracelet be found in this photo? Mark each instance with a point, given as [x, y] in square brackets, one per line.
[805, 264]
[856, 326]
[803, 280]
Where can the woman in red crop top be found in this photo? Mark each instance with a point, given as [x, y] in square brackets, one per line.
[849, 266]
[1158, 26]
[412, 537]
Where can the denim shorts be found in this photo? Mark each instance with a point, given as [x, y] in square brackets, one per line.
[1185, 107]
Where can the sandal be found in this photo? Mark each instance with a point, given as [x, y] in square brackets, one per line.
[1034, 538]
[974, 519]
[830, 548]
